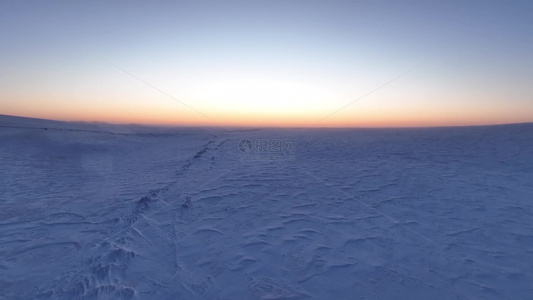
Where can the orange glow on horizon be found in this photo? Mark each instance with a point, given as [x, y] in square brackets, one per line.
[178, 117]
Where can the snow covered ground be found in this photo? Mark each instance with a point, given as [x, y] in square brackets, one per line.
[125, 212]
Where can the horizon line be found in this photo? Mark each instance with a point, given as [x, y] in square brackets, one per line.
[161, 125]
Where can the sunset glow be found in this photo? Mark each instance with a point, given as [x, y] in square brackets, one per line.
[269, 64]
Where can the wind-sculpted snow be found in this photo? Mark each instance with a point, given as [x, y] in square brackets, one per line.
[441, 213]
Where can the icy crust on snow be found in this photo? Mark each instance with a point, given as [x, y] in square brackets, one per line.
[437, 213]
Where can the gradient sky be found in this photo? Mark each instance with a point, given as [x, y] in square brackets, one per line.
[273, 63]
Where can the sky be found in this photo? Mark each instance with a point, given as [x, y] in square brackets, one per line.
[268, 63]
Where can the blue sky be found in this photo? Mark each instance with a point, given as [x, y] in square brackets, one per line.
[268, 62]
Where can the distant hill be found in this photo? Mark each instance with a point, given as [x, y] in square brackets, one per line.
[45, 124]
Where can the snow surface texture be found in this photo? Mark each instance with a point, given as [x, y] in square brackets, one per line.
[91, 211]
